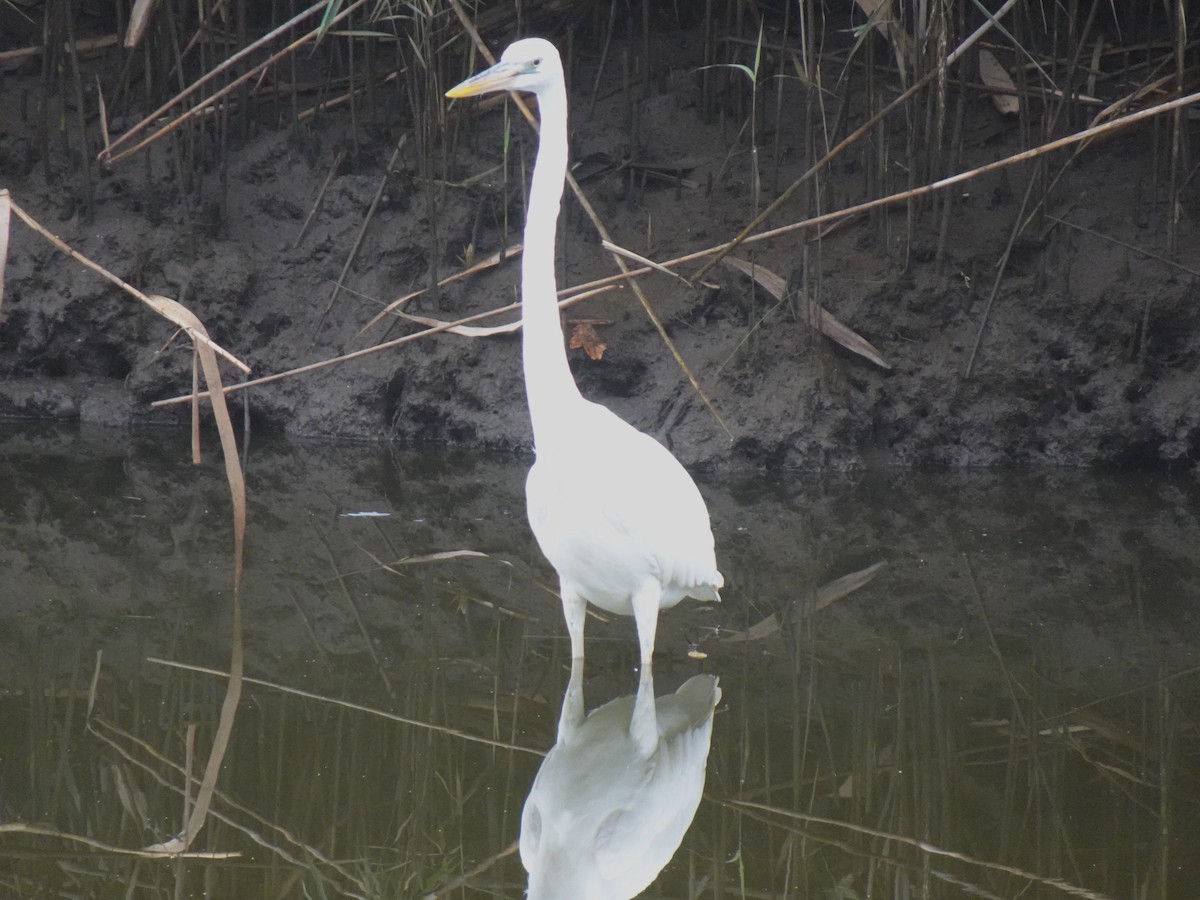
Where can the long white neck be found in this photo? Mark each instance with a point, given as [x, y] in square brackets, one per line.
[549, 386]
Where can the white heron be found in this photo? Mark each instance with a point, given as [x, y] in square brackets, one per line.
[614, 512]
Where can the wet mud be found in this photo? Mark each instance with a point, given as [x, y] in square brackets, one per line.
[1074, 344]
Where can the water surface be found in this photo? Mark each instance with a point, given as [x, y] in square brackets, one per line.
[1008, 708]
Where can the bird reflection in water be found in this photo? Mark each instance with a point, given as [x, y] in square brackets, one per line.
[618, 790]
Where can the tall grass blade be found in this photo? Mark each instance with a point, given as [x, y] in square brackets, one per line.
[5, 221]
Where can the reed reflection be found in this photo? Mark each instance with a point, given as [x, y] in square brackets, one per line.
[615, 795]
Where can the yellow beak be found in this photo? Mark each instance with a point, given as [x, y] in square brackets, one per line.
[497, 78]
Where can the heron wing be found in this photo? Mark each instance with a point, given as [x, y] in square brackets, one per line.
[614, 499]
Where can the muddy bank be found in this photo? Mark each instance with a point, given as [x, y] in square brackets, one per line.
[1082, 350]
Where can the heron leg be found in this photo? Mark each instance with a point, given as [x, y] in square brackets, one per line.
[645, 612]
[571, 718]
[574, 611]
[643, 723]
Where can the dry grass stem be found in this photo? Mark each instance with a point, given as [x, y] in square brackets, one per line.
[81, 46]
[924, 846]
[312, 853]
[237, 489]
[347, 596]
[459, 881]
[1149, 254]
[745, 234]
[5, 224]
[830, 326]
[316, 204]
[169, 309]
[41, 831]
[139, 20]
[388, 345]
[113, 154]
[949, 181]
[471, 331]
[362, 230]
[436, 557]
[206, 352]
[641, 260]
[346, 704]
[492, 261]
[343, 99]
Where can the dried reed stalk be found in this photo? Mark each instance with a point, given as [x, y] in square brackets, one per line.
[454, 326]
[206, 354]
[111, 154]
[346, 704]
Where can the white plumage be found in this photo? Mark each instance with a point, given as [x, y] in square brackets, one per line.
[614, 512]
[617, 792]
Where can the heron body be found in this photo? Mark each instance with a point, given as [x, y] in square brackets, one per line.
[614, 512]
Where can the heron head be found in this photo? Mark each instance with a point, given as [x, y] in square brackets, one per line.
[531, 64]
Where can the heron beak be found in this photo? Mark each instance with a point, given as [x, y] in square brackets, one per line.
[497, 78]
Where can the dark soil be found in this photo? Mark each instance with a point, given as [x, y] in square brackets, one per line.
[1087, 355]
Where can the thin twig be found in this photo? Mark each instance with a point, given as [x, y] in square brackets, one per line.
[83, 45]
[311, 853]
[42, 831]
[460, 880]
[357, 707]
[1001, 268]
[377, 348]
[362, 627]
[1134, 247]
[495, 259]
[337, 161]
[362, 230]
[924, 846]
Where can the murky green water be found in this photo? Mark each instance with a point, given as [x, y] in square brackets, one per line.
[1008, 708]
